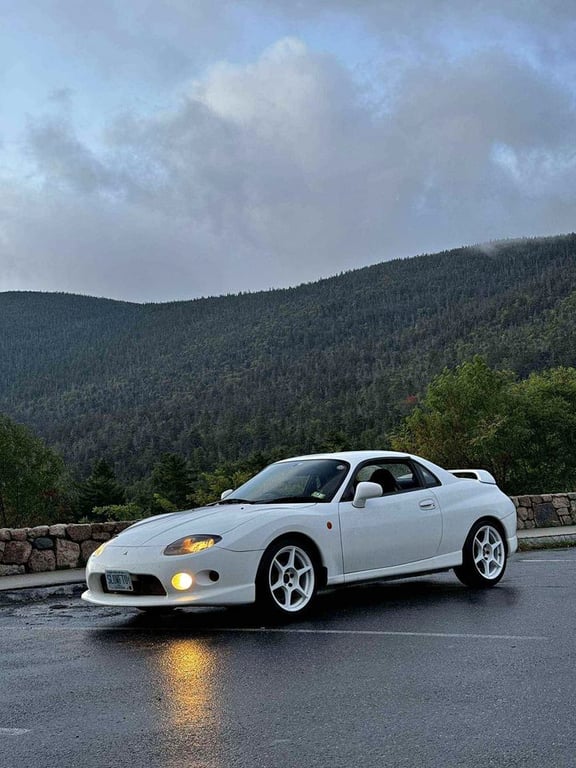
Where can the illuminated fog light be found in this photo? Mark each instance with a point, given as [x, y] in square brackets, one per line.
[182, 581]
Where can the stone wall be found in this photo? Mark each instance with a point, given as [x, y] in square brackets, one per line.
[61, 546]
[550, 510]
[52, 547]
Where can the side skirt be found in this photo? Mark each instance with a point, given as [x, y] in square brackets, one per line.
[418, 568]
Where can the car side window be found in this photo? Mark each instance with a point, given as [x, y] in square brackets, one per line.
[393, 476]
[404, 475]
[430, 479]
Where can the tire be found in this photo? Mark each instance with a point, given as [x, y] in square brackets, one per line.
[484, 556]
[287, 580]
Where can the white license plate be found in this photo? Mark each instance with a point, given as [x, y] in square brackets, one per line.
[119, 581]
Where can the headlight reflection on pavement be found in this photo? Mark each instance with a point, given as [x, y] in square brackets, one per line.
[190, 701]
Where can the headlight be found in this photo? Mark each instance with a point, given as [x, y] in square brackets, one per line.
[190, 545]
[99, 550]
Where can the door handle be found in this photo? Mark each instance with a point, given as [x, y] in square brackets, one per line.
[427, 504]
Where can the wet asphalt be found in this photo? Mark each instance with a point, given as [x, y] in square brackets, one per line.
[420, 672]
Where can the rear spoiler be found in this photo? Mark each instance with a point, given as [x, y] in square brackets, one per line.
[474, 474]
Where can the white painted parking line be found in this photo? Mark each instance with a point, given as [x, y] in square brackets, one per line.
[381, 632]
[14, 731]
[203, 631]
[542, 560]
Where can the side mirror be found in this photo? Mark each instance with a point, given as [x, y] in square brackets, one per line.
[366, 491]
[226, 493]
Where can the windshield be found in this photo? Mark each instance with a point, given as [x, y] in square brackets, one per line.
[293, 481]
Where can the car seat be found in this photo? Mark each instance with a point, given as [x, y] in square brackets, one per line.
[386, 479]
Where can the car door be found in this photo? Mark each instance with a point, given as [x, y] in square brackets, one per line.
[402, 526]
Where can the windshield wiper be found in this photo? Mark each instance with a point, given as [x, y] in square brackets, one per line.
[287, 499]
[234, 501]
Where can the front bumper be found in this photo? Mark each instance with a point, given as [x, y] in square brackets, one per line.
[235, 583]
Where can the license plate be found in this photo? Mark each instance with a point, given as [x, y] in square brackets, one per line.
[119, 581]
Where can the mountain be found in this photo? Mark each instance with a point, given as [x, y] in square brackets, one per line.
[340, 359]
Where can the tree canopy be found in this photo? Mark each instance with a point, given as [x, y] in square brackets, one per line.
[215, 380]
[171, 480]
[100, 489]
[470, 416]
[34, 484]
[329, 365]
[523, 431]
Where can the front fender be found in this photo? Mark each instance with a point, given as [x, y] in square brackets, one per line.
[319, 524]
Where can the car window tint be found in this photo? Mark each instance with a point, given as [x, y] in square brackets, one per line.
[404, 475]
[365, 473]
[430, 480]
[394, 477]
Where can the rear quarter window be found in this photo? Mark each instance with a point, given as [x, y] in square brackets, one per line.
[429, 478]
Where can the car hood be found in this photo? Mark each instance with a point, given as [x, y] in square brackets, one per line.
[217, 520]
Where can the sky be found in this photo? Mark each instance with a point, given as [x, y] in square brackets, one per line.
[158, 150]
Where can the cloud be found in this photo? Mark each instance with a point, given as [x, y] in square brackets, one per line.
[280, 170]
[238, 177]
[388, 18]
[146, 41]
[61, 157]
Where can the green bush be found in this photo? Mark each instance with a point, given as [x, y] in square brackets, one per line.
[115, 513]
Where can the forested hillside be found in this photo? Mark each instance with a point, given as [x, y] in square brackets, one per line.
[216, 379]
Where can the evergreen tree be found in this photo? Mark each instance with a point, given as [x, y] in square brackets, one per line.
[101, 489]
[171, 479]
[338, 363]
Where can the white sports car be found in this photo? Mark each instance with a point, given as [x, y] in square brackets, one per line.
[311, 522]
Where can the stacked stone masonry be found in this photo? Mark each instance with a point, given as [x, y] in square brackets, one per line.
[61, 546]
[52, 547]
[550, 510]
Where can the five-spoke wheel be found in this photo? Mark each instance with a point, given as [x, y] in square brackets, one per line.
[483, 556]
[287, 581]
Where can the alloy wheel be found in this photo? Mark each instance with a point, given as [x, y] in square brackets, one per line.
[489, 552]
[291, 578]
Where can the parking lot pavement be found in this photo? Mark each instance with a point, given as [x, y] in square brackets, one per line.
[420, 672]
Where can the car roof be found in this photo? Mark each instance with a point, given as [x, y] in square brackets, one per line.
[352, 456]
[356, 457]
